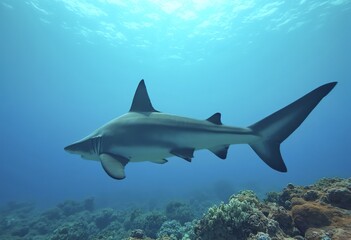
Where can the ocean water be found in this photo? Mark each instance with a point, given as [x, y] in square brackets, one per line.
[69, 66]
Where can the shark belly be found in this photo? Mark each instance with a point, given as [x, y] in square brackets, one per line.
[157, 142]
[143, 153]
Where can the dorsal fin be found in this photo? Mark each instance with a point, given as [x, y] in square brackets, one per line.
[141, 101]
[215, 118]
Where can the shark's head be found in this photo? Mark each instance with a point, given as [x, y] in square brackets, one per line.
[87, 148]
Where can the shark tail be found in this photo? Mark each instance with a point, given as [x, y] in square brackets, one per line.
[275, 128]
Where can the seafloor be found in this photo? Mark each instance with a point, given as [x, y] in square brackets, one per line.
[318, 211]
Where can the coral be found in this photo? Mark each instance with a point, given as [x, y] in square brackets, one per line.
[340, 197]
[113, 231]
[316, 212]
[272, 197]
[20, 231]
[149, 222]
[41, 227]
[21, 209]
[152, 224]
[238, 219]
[283, 217]
[71, 231]
[71, 207]
[260, 236]
[310, 195]
[53, 214]
[321, 210]
[133, 238]
[188, 230]
[138, 234]
[171, 229]
[179, 211]
[104, 217]
[310, 215]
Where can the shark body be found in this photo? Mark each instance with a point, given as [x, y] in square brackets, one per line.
[145, 134]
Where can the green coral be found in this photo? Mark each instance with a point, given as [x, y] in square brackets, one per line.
[105, 217]
[179, 211]
[173, 230]
[150, 222]
[234, 220]
[71, 231]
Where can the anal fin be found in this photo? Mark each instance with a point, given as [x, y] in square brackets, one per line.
[160, 161]
[185, 153]
[114, 165]
[220, 151]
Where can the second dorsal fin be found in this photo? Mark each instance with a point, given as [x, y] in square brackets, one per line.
[215, 118]
[141, 101]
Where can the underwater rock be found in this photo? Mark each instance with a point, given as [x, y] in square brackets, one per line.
[260, 236]
[71, 231]
[53, 214]
[70, 207]
[317, 234]
[153, 223]
[114, 230]
[310, 195]
[330, 233]
[150, 222]
[41, 227]
[104, 218]
[138, 234]
[326, 214]
[340, 197]
[318, 211]
[20, 231]
[272, 197]
[283, 217]
[310, 215]
[179, 211]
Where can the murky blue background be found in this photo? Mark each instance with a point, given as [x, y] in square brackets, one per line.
[69, 66]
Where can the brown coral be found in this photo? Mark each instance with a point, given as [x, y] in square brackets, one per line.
[310, 215]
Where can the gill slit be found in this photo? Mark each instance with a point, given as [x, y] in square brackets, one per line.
[94, 145]
[99, 145]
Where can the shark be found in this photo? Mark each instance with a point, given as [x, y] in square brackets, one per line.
[145, 134]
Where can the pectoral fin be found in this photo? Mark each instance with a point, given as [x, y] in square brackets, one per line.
[185, 153]
[114, 165]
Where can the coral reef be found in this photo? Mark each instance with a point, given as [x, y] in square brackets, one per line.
[175, 231]
[241, 218]
[179, 211]
[317, 212]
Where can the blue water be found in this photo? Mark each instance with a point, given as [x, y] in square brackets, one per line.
[69, 66]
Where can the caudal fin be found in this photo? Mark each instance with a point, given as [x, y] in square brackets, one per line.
[275, 128]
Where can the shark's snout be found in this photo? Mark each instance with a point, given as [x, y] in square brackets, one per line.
[80, 147]
[76, 147]
[69, 148]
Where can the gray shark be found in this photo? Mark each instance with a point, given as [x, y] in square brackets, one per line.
[145, 134]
